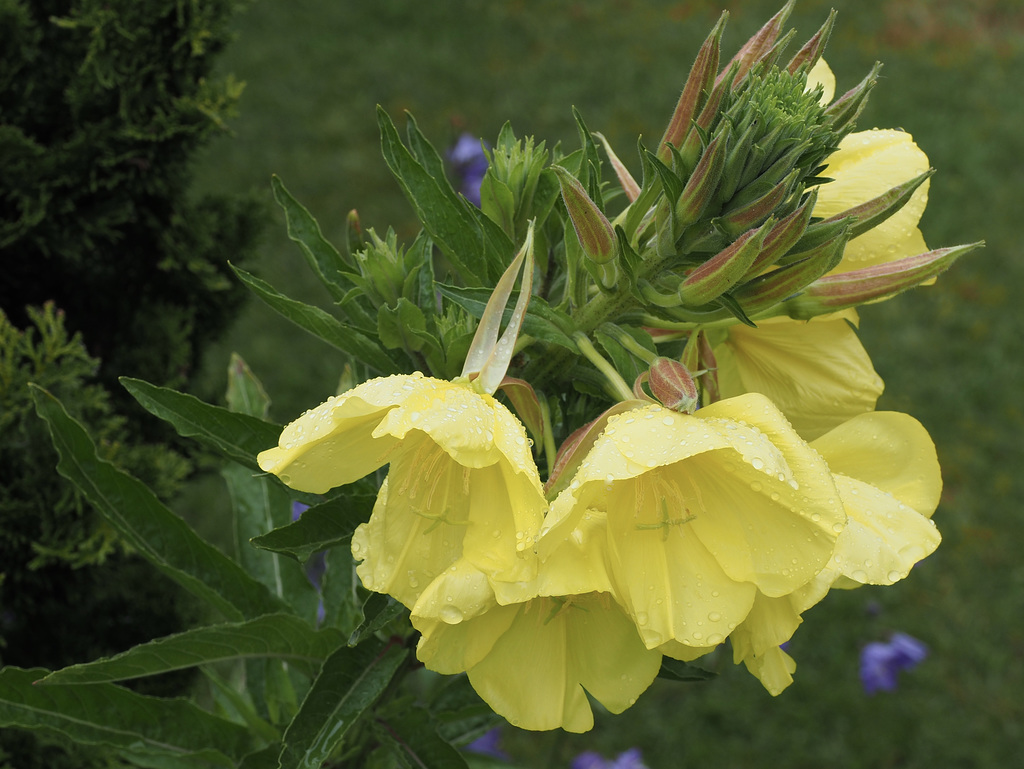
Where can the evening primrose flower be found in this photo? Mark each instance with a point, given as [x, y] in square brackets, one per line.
[817, 372]
[701, 512]
[887, 474]
[534, 662]
[868, 164]
[462, 481]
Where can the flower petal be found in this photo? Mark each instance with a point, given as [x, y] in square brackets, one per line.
[890, 451]
[816, 372]
[867, 164]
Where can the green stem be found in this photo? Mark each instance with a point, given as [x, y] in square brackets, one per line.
[618, 385]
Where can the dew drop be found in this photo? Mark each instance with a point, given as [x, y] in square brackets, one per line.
[757, 463]
[451, 614]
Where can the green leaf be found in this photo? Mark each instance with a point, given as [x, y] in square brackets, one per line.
[281, 636]
[677, 670]
[323, 258]
[414, 742]
[321, 526]
[378, 610]
[404, 327]
[159, 535]
[341, 604]
[350, 681]
[322, 325]
[148, 728]
[236, 436]
[245, 393]
[476, 247]
[541, 322]
[258, 505]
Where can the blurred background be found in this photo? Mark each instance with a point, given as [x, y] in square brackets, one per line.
[951, 354]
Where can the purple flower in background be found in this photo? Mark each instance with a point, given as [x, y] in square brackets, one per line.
[880, 662]
[469, 164]
[316, 566]
[630, 759]
[487, 745]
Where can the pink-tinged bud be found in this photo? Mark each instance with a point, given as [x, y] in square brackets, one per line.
[873, 284]
[672, 384]
[766, 291]
[690, 148]
[629, 185]
[750, 215]
[698, 83]
[845, 110]
[703, 182]
[724, 270]
[592, 227]
[869, 215]
[783, 236]
[354, 241]
[808, 55]
[709, 366]
[761, 44]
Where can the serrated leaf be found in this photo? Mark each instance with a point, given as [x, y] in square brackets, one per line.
[476, 247]
[238, 437]
[159, 535]
[137, 725]
[323, 258]
[414, 742]
[280, 636]
[322, 325]
[541, 322]
[322, 526]
[350, 681]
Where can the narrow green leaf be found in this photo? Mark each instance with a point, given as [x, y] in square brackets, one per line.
[350, 681]
[323, 258]
[378, 610]
[321, 325]
[541, 322]
[413, 740]
[238, 437]
[260, 504]
[245, 393]
[282, 636]
[321, 526]
[137, 725]
[341, 601]
[159, 535]
[476, 246]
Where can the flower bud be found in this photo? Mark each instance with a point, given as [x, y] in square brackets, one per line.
[698, 83]
[722, 271]
[844, 111]
[592, 227]
[703, 182]
[672, 384]
[872, 284]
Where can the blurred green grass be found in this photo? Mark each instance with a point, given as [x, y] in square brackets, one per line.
[951, 354]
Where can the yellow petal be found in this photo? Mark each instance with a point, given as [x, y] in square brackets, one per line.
[452, 649]
[867, 164]
[821, 74]
[774, 669]
[890, 451]
[460, 592]
[816, 372]
[536, 672]
[883, 538]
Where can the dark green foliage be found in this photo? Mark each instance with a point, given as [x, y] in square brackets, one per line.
[102, 104]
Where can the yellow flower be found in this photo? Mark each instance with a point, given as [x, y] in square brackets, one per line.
[701, 511]
[888, 477]
[866, 165]
[816, 372]
[462, 482]
[532, 661]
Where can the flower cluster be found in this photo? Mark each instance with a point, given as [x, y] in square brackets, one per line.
[743, 474]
